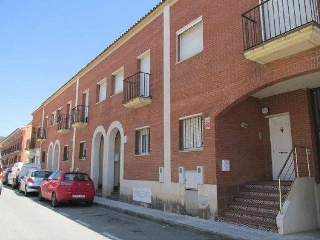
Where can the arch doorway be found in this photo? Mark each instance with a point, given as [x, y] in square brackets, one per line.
[50, 157]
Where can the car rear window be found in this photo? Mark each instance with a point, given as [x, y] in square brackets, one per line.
[76, 177]
[40, 174]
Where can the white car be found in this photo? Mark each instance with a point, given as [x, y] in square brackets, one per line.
[31, 181]
[18, 170]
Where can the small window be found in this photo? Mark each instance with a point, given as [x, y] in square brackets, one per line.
[43, 156]
[191, 133]
[142, 141]
[190, 40]
[65, 153]
[53, 119]
[118, 78]
[82, 151]
[101, 91]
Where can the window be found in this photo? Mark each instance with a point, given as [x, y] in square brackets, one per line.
[101, 91]
[53, 118]
[59, 115]
[142, 141]
[190, 40]
[191, 133]
[65, 153]
[118, 78]
[82, 151]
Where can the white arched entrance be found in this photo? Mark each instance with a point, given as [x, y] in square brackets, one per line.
[50, 156]
[99, 157]
[56, 156]
[115, 158]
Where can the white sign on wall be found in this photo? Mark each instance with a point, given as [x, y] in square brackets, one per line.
[142, 195]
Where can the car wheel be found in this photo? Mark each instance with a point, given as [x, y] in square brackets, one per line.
[54, 200]
[26, 191]
[40, 196]
[88, 203]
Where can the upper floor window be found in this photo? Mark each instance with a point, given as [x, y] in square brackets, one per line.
[191, 133]
[190, 40]
[142, 145]
[53, 119]
[82, 150]
[118, 78]
[101, 90]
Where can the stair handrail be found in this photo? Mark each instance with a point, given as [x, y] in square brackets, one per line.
[295, 168]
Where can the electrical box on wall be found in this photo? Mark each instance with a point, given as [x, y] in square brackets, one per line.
[225, 165]
[181, 175]
[200, 174]
[161, 174]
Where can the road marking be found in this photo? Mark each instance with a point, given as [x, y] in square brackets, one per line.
[110, 236]
[83, 223]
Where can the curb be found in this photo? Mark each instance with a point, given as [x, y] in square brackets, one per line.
[163, 221]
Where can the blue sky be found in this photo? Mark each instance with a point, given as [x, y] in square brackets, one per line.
[43, 43]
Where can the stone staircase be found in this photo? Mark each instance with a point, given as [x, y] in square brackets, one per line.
[115, 194]
[256, 206]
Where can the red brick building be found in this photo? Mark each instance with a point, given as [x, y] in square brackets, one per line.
[195, 100]
[15, 147]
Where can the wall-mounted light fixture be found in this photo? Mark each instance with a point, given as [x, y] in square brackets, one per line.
[244, 125]
[265, 110]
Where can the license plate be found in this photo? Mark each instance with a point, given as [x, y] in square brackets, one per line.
[78, 196]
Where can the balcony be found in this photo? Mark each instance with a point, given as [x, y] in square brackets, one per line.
[277, 29]
[136, 90]
[42, 134]
[63, 124]
[79, 116]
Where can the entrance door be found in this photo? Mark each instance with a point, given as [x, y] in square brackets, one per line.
[281, 145]
[144, 76]
[101, 148]
[116, 183]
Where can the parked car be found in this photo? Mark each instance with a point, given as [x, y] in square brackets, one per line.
[67, 187]
[31, 181]
[5, 173]
[18, 170]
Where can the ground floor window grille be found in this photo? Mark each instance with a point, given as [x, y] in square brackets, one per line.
[191, 133]
[142, 141]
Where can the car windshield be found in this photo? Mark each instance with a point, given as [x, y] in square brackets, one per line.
[76, 177]
[40, 174]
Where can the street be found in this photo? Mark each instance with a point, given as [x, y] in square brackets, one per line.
[26, 218]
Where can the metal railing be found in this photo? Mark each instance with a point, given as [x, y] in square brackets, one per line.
[294, 167]
[64, 122]
[137, 85]
[79, 114]
[273, 18]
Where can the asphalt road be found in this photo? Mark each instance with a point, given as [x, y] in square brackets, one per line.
[26, 218]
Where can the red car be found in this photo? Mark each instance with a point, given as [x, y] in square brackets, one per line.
[67, 187]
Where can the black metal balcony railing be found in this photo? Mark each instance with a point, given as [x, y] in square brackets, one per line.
[79, 114]
[63, 122]
[42, 133]
[273, 18]
[137, 85]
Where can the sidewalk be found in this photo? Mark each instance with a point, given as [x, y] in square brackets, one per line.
[210, 226]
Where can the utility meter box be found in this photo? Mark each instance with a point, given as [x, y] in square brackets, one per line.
[161, 174]
[182, 176]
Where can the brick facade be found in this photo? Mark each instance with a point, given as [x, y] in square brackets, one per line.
[218, 83]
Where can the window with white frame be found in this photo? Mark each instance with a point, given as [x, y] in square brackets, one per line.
[82, 150]
[142, 145]
[53, 119]
[191, 133]
[118, 78]
[190, 40]
[102, 90]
